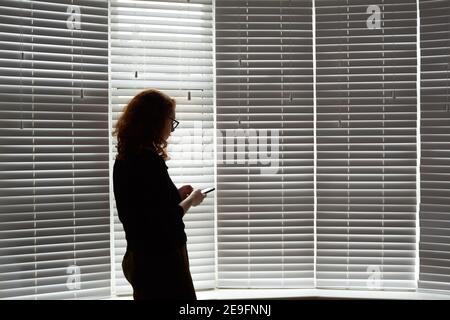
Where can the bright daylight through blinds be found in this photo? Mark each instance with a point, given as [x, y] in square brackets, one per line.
[168, 45]
[366, 144]
[435, 132]
[265, 144]
[54, 201]
[315, 157]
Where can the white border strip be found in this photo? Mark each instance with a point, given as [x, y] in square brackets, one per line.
[235, 294]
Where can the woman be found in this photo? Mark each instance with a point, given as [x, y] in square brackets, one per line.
[149, 205]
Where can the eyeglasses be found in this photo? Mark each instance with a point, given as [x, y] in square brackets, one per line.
[175, 123]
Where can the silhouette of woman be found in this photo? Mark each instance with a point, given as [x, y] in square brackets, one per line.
[149, 205]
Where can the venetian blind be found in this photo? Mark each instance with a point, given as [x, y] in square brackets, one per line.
[366, 144]
[435, 133]
[265, 144]
[54, 201]
[168, 45]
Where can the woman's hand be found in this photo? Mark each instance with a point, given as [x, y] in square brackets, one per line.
[185, 190]
[197, 197]
[194, 199]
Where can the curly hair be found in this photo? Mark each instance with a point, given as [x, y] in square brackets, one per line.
[141, 126]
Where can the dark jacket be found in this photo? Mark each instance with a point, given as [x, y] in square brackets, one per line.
[155, 262]
[148, 203]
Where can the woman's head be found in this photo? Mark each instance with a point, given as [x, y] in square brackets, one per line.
[146, 123]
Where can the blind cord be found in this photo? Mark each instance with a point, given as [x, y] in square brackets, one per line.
[34, 149]
[282, 142]
[348, 143]
[73, 143]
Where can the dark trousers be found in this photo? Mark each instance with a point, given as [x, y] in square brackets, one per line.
[159, 276]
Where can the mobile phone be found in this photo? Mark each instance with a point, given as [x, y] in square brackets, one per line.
[208, 190]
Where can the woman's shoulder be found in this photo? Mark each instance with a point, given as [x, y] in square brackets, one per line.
[137, 160]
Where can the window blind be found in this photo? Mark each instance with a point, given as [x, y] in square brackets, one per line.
[265, 144]
[366, 144]
[54, 201]
[168, 45]
[435, 169]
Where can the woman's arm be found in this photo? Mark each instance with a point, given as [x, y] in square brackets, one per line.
[167, 216]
